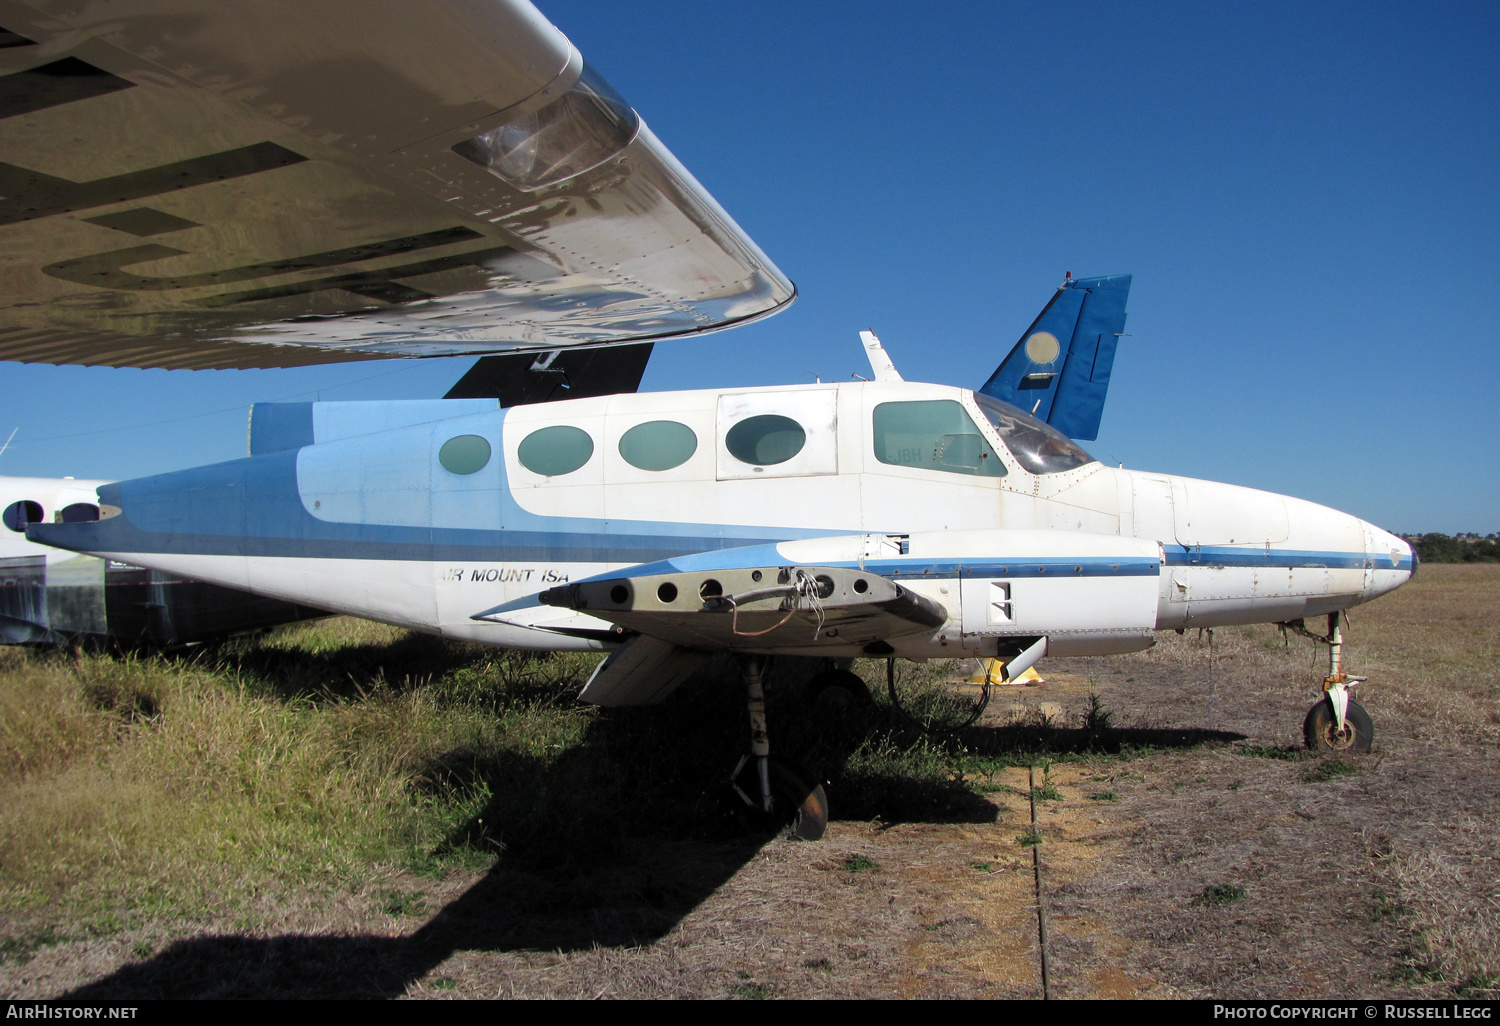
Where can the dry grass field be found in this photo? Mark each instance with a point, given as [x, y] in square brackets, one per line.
[346, 810]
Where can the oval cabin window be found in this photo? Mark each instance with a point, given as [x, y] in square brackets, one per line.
[554, 451]
[658, 445]
[464, 454]
[765, 440]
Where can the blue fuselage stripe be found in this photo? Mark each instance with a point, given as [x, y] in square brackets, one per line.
[969, 568]
[1282, 559]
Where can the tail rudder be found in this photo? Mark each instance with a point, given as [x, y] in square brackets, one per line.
[1059, 370]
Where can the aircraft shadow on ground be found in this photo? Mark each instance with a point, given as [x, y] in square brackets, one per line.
[610, 845]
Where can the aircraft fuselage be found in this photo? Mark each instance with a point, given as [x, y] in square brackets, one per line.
[1014, 535]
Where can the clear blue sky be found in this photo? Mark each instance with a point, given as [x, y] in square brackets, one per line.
[1306, 195]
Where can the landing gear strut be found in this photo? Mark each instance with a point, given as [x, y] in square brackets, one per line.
[1337, 723]
[773, 793]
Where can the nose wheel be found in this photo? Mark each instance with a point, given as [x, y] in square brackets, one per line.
[1323, 734]
[1337, 723]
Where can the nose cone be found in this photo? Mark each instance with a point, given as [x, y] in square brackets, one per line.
[1390, 561]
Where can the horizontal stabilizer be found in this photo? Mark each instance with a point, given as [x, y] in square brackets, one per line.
[1059, 370]
[643, 671]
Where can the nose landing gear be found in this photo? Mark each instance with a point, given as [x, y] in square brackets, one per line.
[1337, 723]
[1323, 734]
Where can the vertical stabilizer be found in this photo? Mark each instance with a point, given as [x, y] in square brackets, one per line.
[1059, 370]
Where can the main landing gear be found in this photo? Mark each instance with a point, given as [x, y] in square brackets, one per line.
[1337, 723]
[772, 794]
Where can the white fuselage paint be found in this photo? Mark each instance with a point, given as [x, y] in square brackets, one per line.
[1234, 546]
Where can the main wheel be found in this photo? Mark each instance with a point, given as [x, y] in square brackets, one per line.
[1321, 734]
[799, 808]
[838, 692]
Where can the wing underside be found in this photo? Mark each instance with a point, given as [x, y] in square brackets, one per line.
[267, 184]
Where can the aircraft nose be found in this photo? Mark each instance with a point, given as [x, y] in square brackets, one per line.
[1390, 561]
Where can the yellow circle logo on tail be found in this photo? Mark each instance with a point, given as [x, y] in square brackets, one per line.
[1042, 347]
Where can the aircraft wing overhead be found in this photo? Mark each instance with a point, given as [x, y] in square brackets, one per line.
[1059, 370]
[270, 183]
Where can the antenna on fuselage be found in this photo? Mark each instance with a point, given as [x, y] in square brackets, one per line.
[880, 361]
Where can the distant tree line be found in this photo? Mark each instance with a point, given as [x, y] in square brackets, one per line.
[1456, 548]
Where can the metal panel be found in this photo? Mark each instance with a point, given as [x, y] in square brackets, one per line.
[814, 410]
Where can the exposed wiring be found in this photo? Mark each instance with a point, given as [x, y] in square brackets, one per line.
[927, 728]
[802, 589]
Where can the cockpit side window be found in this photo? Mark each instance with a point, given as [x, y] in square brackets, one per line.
[1037, 446]
[935, 434]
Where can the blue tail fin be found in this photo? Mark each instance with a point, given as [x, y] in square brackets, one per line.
[1060, 369]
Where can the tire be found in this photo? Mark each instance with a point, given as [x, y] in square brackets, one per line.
[801, 809]
[1318, 729]
[838, 692]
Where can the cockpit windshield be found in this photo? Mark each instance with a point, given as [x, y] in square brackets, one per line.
[1038, 446]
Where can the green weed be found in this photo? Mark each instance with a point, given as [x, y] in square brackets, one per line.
[990, 787]
[1330, 769]
[1387, 907]
[1097, 719]
[296, 760]
[20, 949]
[1219, 894]
[403, 903]
[859, 864]
[1048, 792]
[1284, 753]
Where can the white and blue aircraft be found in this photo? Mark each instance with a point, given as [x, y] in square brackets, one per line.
[394, 193]
[885, 518]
